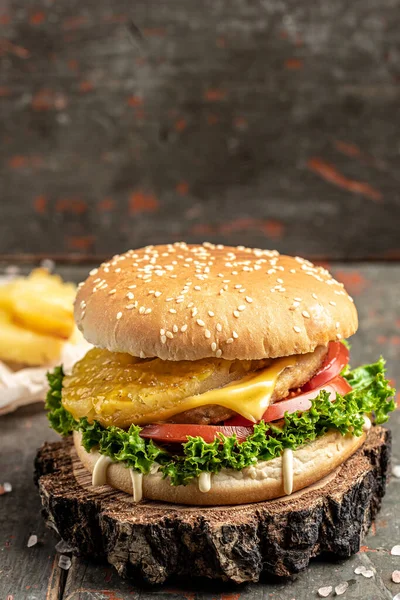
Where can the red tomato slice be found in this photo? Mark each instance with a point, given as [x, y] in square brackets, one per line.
[302, 402]
[177, 433]
[335, 360]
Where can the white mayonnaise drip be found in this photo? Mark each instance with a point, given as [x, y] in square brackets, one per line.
[367, 423]
[137, 485]
[99, 475]
[287, 471]
[205, 482]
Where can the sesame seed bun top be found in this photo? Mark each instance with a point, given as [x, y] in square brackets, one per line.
[188, 302]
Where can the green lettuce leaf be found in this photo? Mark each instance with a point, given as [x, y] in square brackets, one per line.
[371, 394]
[60, 419]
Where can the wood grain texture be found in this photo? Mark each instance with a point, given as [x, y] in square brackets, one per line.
[376, 290]
[256, 123]
[153, 541]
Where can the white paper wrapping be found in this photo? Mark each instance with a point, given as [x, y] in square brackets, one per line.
[30, 384]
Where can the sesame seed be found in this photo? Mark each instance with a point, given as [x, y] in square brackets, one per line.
[219, 327]
[157, 294]
[194, 312]
[332, 302]
[249, 299]
[238, 286]
[147, 311]
[315, 296]
[119, 315]
[221, 291]
[169, 335]
[213, 346]
[190, 305]
[162, 331]
[117, 270]
[292, 270]
[130, 296]
[236, 313]
[163, 339]
[175, 329]
[183, 328]
[93, 272]
[142, 309]
[168, 299]
[242, 307]
[197, 287]
[111, 292]
[338, 336]
[200, 322]
[235, 335]
[180, 300]
[279, 280]
[207, 333]
[210, 313]
[296, 328]
[297, 299]
[305, 314]
[132, 287]
[337, 324]
[229, 341]
[218, 353]
[129, 306]
[173, 311]
[282, 289]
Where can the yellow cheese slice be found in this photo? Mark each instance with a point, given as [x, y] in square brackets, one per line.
[249, 397]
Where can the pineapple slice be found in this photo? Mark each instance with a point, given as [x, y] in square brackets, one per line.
[120, 389]
[18, 345]
[40, 302]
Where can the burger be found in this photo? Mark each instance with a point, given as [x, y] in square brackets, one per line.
[219, 375]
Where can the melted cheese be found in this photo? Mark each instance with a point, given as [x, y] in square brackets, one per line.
[287, 471]
[99, 475]
[249, 397]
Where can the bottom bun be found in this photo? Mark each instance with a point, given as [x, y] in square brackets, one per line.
[263, 481]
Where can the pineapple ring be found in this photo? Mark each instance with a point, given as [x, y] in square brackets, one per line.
[120, 389]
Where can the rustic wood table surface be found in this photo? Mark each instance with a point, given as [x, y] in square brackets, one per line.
[33, 573]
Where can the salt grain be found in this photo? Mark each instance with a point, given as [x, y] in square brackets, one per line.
[64, 562]
[341, 588]
[359, 570]
[32, 541]
[368, 573]
[396, 576]
[63, 546]
[324, 592]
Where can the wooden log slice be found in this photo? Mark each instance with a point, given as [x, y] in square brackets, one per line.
[154, 540]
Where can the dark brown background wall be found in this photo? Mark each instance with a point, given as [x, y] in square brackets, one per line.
[261, 122]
